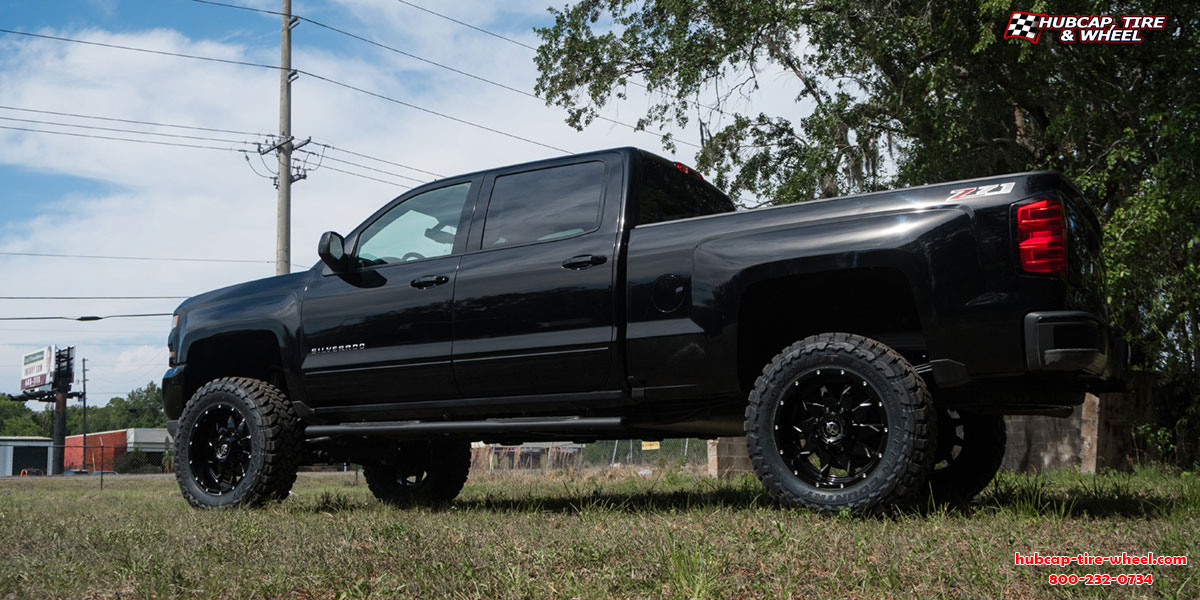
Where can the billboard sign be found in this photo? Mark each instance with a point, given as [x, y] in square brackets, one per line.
[37, 369]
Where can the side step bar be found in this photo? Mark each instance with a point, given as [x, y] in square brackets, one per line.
[419, 428]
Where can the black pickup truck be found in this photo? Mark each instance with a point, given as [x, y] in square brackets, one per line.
[866, 347]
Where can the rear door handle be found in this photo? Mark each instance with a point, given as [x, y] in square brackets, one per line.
[583, 261]
[429, 281]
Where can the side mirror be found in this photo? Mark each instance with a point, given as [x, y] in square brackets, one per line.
[332, 251]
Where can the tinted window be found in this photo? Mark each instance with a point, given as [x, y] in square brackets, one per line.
[668, 194]
[547, 204]
[423, 226]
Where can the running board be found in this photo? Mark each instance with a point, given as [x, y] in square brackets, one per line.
[422, 428]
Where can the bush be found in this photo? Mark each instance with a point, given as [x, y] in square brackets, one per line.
[135, 462]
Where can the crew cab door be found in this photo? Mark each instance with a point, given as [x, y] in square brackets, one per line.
[381, 332]
[534, 304]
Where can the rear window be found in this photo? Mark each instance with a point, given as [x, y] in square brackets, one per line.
[544, 205]
[667, 194]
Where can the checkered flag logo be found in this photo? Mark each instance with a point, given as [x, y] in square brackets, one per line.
[1023, 25]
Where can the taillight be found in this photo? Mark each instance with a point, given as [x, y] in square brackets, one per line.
[1042, 237]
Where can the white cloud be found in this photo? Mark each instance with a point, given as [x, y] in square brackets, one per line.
[177, 202]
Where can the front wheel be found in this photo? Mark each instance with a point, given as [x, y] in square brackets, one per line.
[838, 421]
[239, 444]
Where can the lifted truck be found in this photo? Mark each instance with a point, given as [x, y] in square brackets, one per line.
[866, 346]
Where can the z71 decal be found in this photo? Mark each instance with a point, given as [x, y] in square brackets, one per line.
[983, 190]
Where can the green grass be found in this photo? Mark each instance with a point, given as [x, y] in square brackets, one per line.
[596, 534]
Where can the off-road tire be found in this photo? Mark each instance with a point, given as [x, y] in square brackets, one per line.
[272, 438]
[970, 451]
[897, 396]
[420, 473]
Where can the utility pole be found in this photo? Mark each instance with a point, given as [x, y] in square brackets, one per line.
[84, 398]
[64, 374]
[284, 178]
[59, 440]
[283, 220]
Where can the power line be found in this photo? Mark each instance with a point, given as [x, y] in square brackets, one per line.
[409, 105]
[199, 128]
[134, 121]
[524, 45]
[160, 143]
[303, 72]
[119, 130]
[464, 24]
[145, 50]
[153, 258]
[93, 297]
[433, 62]
[86, 317]
[354, 164]
[119, 139]
[392, 183]
[367, 156]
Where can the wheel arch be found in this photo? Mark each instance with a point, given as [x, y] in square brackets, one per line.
[877, 303]
[255, 353]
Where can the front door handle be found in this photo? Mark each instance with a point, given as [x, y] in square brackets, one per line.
[583, 261]
[429, 281]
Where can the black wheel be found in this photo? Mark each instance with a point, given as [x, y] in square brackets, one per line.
[420, 473]
[239, 444]
[970, 450]
[838, 421]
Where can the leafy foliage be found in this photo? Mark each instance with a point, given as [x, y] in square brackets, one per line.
[907, 93]
[142, 407]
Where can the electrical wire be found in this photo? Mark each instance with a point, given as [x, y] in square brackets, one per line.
[464, 24]
[86, 317]
[133, 131]
[433, 62]
[300, 71]
[94, 297]
[119, 139]
[524, 45]
[431, 111]
[152, 258]
[391, 183]
[134, 121]
[200, 128]
[367, 156]
[354, 164]
[175, 144]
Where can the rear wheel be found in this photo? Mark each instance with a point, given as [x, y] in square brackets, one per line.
[838, 421]
[238, 445]
[970, 451]
[420, 473]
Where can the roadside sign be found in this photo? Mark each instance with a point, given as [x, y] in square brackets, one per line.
[651, 445]
[37, 369]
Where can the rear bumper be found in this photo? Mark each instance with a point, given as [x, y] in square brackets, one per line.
[172, 392]
[1073, 341]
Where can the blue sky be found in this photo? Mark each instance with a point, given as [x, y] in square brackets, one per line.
[69, 195]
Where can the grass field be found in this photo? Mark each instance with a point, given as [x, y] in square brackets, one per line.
[596, 534]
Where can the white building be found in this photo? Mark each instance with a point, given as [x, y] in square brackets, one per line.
[24, 452]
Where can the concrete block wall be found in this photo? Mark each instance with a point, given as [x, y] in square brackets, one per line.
[1097, 435]
[728, 457]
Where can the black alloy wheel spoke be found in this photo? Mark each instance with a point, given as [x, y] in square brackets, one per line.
[221, 449]
[831, 428]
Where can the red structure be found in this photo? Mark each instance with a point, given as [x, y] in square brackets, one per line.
[103, 449]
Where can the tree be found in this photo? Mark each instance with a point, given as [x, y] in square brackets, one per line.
[906, 93]
[16, 418]
[142, 407]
